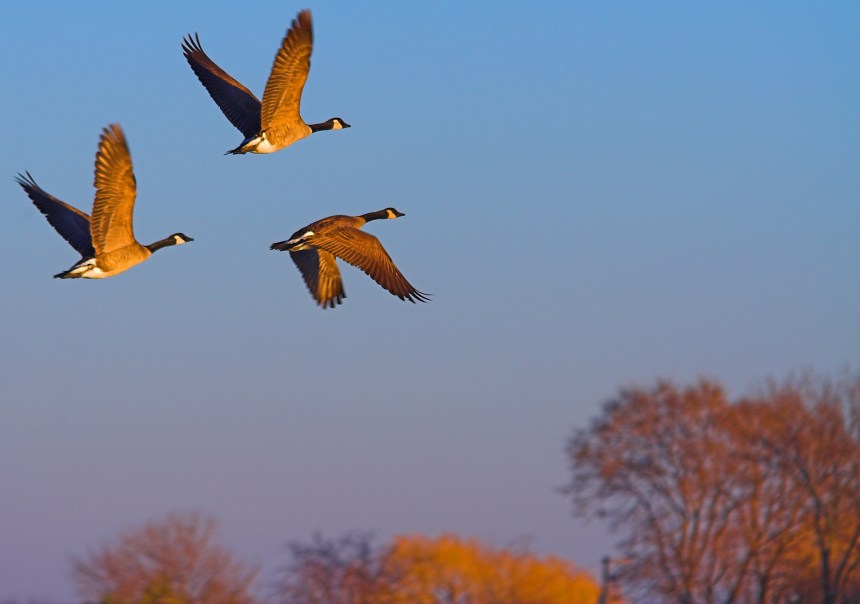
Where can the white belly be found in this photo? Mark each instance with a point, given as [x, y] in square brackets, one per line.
[265, 147]
[89, 270]
[95, 273]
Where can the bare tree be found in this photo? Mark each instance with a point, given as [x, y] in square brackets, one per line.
[812, 440]
[769, 519]
[170, 561]
[757, 501]
[658, 464]
[349, 570]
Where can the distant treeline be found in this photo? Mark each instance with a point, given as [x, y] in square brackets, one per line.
[177, 561]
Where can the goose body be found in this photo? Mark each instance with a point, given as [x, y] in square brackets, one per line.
[276, 122]
[314, 248]
[106, 240]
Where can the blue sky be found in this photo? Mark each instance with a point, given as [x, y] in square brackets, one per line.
[597, 194]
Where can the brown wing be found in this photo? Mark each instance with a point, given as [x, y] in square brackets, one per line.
[321, 275]
[238, 103]
[364, 251]
[111, 223]
[283, 95]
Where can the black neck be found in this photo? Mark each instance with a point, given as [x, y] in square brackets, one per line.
[379, 215]
[326, 125]
[167, 241]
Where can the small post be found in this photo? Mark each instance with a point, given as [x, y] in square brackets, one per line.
[605, 578]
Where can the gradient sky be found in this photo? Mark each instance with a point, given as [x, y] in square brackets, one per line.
[597, 195]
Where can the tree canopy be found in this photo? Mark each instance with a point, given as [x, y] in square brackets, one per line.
[756, 500]
[171, 561]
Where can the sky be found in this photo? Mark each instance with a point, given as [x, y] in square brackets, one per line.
[596, 194]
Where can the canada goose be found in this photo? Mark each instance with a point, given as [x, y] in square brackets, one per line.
[106, 241]
[276, 122]
[314, 248]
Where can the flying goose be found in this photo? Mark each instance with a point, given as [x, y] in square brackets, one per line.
[276, 122]
[106, 241]
[314, 248]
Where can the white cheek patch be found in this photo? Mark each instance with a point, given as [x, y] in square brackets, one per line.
[337, 125]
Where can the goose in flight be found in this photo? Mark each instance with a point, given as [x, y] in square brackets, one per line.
[106, 241]
[276, 122]
[314, 248]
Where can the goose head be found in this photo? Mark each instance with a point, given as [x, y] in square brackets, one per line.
[180, 238]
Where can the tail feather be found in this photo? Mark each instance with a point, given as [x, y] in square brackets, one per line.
[290, 245]
[69, 274]
[282, 246]
[78, 270]
[246, 146]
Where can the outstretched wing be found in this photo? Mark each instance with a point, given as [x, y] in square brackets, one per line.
[283, 95]
[238, 103]
[115, 193]
[72, 224]
[364, 251]
[321, 275]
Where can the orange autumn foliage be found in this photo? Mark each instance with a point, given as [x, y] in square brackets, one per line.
[449, 569]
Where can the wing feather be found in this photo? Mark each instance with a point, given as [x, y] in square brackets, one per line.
[321, 275]
[238, 103]
[115, 193]
[364, 251]
[72, 224]
[283, 95]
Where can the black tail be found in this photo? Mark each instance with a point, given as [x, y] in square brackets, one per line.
[282, 246]
[75, 272]
[66, 275]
